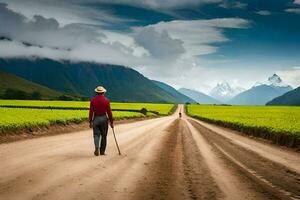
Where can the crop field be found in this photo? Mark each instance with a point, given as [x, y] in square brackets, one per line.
[38, 103]
[269, 119]
[161, 109]
[16, 118]
[18, 114]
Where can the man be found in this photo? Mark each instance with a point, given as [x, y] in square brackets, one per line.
[99, 110]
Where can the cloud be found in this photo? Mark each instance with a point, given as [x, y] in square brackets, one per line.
[125, 40]
[65, 12]
[263, 12]
[12, 49]
[234, 5]
[197, 36]
[100, 53]
[159, 44]
[44, 31]
[45, 37]
[297, 2]
[291, 76]
[68, 11]
[164, 40]
[293, 10]
[159, 4]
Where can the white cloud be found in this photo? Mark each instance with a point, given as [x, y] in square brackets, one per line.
[45, 37]
[293, 10]
[159, 4]
[297, 2]
[153, 44]
[159, 44]
[197, 36]
[12, 49]
[263, 12]
[291, 76]
[75, 11]
[126, 40]
[234, 5]
[44, 31]
[98, 52]
[65, 12]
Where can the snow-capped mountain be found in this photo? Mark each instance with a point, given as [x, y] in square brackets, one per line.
[273, 80]
[276, 81]
[261, 93]
[224, 92]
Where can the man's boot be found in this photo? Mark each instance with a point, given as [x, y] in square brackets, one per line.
[97, 151]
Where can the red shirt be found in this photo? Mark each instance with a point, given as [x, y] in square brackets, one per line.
[100, 105]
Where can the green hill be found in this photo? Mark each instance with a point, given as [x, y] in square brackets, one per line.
[10, 82]
[291, 98]
[123, 84]
[180, 98]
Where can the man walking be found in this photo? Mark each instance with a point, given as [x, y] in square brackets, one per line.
[99, 110]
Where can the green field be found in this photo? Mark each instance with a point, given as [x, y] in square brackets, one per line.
[161, 109]
[268, 119]
[38, 103]
[16, 118]
[21, 117]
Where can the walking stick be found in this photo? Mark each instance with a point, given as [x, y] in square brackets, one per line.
[116, 141]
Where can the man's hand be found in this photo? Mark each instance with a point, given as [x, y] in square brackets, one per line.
[111, 124]
[91, 124]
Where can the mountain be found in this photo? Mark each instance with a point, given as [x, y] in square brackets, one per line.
[224, 92]
[260, 94]
[122, 83]
[10, 82]
[199, 97]
[181, 98]
[291, 98]
[275, 80]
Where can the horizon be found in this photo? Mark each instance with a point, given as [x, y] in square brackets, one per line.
[186, 44]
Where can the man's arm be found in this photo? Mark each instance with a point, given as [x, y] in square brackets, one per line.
[110, 116]
[91, 114]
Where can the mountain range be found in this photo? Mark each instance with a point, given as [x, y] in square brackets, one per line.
[181, 98]
[55, 78]
[123, 83]
[224, 92]
[260, 94]
[199, 97]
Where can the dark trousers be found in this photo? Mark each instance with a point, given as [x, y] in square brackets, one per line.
[100, 128]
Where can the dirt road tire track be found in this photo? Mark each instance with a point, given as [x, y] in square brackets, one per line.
[178, 170]
[281, 181]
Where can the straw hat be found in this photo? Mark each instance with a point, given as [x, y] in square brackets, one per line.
[100, 89]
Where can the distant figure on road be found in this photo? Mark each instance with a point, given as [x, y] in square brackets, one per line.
[180, 114]
[99, 114]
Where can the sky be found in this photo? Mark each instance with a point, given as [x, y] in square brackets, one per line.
[185, 43]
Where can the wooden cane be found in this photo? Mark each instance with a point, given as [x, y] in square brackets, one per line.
[116, 141]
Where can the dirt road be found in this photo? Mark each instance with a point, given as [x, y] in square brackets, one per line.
[163, 158]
